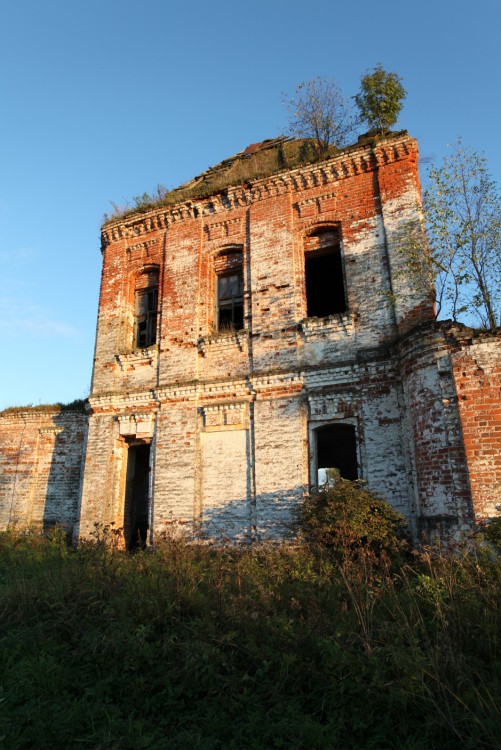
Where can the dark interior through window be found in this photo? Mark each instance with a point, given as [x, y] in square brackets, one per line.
[337, 449]
[136, 510]
[146, 316]
[230, 289]
[325, 289]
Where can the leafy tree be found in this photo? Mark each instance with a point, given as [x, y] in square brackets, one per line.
[462, 207]
[380, 98]
[318, 111]
[456, 263]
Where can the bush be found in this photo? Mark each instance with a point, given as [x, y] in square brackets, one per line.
[349, 519]
[491, 530]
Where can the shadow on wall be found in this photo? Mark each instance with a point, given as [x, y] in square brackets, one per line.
[243, 520]
[58, 471]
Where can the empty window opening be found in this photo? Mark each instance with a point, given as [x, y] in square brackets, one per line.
[325, 288]
[230, 291]
[336, 449]
[137, 509]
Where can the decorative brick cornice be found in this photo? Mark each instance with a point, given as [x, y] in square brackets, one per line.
[357, 159]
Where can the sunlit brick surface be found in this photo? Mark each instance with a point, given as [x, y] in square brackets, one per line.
[231, 415]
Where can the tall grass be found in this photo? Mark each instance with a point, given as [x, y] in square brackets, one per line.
[270, 647]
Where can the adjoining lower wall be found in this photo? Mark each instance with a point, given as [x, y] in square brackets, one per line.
[476, 367]
[41, 453]
[440, 471]
[452, 384]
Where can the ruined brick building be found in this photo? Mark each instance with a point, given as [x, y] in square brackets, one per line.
[254, 329]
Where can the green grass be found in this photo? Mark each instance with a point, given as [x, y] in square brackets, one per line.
[270, 647]
[77, 405]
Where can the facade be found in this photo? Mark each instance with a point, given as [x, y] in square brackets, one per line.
[249, 340]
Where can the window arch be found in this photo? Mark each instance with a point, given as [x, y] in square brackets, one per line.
[146, 307]
[324, 273]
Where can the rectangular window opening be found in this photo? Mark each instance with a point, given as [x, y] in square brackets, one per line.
[230, 301]
[336, 453]
[146, 317]
[325, 290]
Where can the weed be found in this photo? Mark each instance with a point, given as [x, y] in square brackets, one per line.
[285, 646]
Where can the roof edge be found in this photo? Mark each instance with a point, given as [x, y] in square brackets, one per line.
[368, 142]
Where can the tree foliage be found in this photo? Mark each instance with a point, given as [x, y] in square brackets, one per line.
[319, 111]
[456, 262]
[349, 519]
[380, 98]
[462, 207]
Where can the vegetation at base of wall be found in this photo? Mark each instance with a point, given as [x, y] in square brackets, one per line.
[491, 531]
[352, 521]
[264, 647]
[78, 405]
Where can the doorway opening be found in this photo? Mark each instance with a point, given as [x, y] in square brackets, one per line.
[336, 450]
[136, 506]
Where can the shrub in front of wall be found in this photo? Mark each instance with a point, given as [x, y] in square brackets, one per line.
[491, 530]
[350, 519]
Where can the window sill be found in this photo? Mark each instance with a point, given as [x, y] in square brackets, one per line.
[223, 336]
[223, 340]
[138, 356]
[344, 321]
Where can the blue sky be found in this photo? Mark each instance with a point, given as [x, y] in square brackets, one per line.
[102, 101]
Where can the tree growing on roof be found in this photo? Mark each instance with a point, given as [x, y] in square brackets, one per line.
[319, 112]
[380, 98]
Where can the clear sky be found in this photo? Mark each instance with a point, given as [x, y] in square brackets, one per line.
[102, 101]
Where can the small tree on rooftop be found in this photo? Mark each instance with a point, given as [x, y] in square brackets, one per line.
[318, 111]
[380, 98]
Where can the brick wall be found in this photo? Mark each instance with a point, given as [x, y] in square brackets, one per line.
[40, 467]
[363, 193]
[440, 471]
[281, 367]
[232, 417]
[476, 367]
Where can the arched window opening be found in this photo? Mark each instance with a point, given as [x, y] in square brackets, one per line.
[324, 276]
[228, 267]
[146, 306]
[336, 449]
